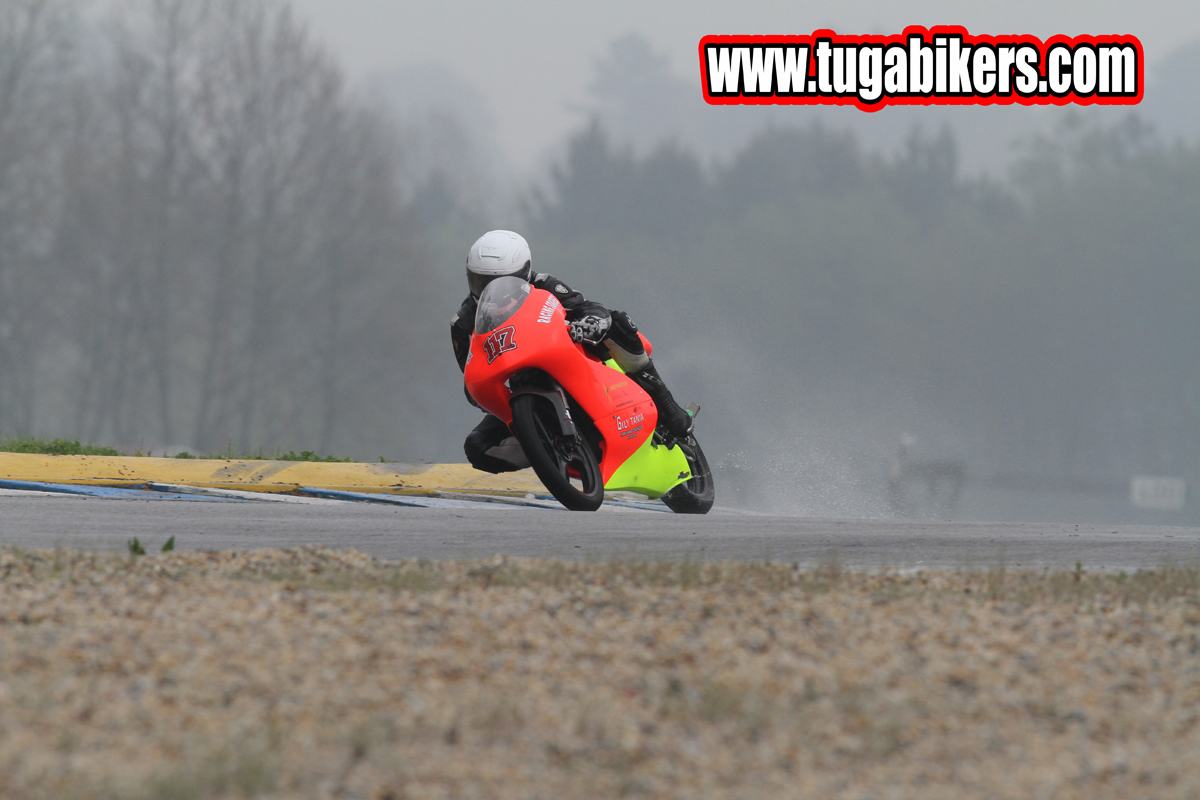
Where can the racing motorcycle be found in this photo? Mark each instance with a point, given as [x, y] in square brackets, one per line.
[584, 426]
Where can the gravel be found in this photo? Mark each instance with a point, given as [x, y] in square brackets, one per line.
[322, 673]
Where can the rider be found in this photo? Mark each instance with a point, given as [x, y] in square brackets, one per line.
[490, 447]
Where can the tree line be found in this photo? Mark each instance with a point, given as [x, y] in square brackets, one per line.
[1044, 325]
[202, 236]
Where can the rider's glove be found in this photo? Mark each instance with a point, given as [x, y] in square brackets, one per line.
[590, 329]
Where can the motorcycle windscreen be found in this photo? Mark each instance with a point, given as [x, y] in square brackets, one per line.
[501, 299]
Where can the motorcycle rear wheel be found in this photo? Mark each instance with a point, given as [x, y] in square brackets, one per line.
[694, 496]
[536, 426]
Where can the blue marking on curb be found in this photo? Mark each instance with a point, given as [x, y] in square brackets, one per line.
[647, 505]
[412, 501]
[109, 492]
[548, 501]
[493, 500]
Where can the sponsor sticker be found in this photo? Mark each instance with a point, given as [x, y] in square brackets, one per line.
[619, 394]
[629, 426]
[548, 309]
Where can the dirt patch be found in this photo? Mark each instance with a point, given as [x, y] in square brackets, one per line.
[320, 673]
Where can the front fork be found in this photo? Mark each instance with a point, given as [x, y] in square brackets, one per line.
[527, 382]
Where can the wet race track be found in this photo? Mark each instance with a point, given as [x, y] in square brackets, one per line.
[42, 521]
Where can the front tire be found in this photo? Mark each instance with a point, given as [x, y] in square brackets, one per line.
[694, 496]
[536, 426]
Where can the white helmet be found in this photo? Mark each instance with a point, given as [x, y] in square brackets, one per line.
[495, 255]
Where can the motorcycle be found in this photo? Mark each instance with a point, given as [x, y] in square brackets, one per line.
[583, 425]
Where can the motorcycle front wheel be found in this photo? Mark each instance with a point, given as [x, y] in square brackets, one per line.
[550, 453]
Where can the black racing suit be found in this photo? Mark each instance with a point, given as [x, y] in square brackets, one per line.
[490, 446]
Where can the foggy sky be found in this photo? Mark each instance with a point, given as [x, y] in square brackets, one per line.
[533, 61]
[280, 272]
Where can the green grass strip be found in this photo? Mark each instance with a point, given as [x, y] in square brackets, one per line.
[57, 447]
[72, 447]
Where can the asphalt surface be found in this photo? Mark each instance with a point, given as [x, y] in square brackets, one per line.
[436, 533]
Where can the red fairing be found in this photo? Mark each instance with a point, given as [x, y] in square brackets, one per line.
[536, 336]
[646, 343]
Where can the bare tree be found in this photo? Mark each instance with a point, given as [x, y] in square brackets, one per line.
[128, 234]
[233, 219]
[34, 64]
[303, 196]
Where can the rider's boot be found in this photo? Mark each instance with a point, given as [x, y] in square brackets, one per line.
[677, 421]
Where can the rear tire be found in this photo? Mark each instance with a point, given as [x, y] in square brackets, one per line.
[694, 496]
[537, 427]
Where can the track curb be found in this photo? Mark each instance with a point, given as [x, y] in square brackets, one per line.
[265, 476]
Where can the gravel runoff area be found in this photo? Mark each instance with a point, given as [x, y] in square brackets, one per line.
[323, 673]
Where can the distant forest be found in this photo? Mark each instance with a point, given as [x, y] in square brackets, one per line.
[1050, 324]
[208, 240]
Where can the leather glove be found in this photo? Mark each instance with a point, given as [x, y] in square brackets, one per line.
[590, 329]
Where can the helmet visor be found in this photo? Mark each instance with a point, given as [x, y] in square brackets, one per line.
[476, 282]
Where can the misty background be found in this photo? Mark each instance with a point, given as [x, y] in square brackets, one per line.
[214, 234]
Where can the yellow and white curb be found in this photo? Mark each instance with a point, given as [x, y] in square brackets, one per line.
[266, 476]
[300, 482]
